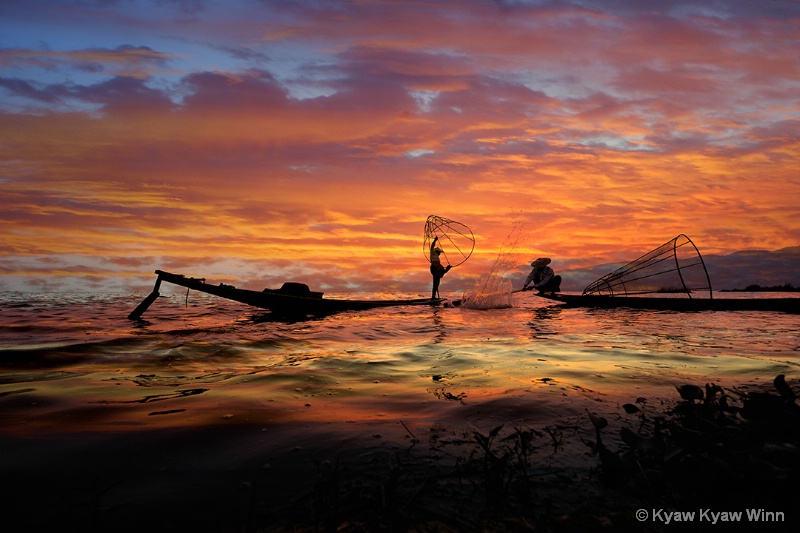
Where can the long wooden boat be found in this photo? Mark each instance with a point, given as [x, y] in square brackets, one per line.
[787, 305]
[291, 300]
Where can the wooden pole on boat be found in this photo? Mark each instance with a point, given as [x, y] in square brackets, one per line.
[136, 314]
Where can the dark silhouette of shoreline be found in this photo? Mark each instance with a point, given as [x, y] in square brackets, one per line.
[786, 287]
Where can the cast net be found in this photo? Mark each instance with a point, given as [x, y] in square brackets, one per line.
[675, 267]
[454, 239]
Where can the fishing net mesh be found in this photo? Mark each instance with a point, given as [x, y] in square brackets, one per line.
[676, 267]
[454, 239]
[493, 290]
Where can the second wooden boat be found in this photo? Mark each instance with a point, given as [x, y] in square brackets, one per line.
[787, 305]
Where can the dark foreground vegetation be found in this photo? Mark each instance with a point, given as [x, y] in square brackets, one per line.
[715, 449]
[712, 450]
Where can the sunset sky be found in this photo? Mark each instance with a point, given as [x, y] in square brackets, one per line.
[257, 141]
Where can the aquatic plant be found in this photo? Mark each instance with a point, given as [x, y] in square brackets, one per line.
[503, 469]
[712, 446]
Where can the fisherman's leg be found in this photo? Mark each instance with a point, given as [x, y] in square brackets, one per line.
[554, 285]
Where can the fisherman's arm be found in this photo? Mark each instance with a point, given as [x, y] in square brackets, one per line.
[528, 280]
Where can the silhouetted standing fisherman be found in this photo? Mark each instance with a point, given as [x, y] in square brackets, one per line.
[437, 270]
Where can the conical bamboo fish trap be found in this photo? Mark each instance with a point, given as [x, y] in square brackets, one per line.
[675, 267]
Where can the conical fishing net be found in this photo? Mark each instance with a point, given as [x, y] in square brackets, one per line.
[675, 267]
[454, 239]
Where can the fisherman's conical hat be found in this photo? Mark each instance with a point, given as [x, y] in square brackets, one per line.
[542, 261]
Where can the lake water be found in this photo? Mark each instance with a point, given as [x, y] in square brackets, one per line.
[72, 366]
[79, 350]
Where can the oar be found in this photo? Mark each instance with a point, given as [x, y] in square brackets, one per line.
[136, 314]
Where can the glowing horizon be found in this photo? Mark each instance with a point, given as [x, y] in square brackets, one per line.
[263, 141]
